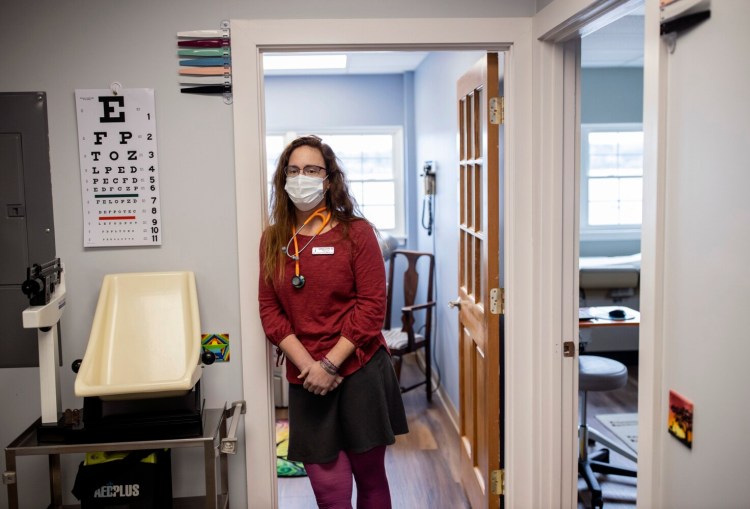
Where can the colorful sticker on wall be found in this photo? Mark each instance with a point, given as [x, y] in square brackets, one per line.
[218, 344]
[680, 420]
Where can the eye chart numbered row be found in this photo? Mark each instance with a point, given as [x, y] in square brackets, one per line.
[119, 167]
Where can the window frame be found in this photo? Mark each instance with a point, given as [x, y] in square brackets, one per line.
[610, 231]
[399, 176]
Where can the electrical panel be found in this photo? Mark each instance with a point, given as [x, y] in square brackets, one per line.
[26, 223]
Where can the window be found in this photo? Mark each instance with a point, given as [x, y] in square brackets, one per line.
[372, 160]
[611, 179]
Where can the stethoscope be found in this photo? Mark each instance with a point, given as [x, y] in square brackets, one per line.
[298, 280]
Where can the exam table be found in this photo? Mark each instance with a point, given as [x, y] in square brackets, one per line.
[610, 281]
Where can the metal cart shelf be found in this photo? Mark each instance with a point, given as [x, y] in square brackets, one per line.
[213, 441]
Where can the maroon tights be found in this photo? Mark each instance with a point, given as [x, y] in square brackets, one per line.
[332, 482]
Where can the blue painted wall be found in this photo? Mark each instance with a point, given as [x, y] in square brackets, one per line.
[436, 128]
[612, 95]
[306, 103]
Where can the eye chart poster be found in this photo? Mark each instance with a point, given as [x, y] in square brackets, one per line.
[119, 167]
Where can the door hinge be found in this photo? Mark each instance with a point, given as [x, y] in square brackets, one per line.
[569, 349]
[497, 482]
[497, 301]
[497, 110]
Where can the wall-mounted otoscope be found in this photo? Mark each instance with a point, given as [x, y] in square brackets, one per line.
[428, 173]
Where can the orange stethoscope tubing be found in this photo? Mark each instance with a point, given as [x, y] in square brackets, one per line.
[322, 213]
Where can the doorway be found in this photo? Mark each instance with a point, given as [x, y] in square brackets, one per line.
[610, 204]
[387, 115]
[557, 126]
[250, 38]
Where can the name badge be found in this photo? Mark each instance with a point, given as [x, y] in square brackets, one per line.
[322, 251]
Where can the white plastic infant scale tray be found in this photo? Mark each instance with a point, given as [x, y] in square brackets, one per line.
[145, 340]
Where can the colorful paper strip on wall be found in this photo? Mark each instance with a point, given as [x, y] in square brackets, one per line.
[206, 54]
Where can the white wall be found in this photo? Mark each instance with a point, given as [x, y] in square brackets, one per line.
[89, 45]
[436, 120]
[60, 46]
[706, 276]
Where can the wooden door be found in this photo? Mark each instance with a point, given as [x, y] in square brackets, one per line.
[480, 292]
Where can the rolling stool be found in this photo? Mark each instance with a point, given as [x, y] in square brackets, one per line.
[599, 374]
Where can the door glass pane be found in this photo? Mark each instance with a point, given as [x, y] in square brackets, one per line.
[462, 258]
[477, 123]
[462, 194]
[469, 264]
[478, 197]
[478, 269]
[462, 129]
[469, 200]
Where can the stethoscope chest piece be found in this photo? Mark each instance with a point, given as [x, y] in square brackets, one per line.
[298, 280]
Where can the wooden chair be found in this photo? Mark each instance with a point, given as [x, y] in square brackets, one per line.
[405, 339]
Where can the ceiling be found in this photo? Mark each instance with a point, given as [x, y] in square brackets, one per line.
[619, 44]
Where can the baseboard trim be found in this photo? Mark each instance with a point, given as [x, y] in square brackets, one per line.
[445, 401]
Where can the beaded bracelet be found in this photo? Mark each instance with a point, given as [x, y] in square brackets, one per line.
[328, 366]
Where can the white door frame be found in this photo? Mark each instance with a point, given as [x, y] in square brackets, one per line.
[252, 37]
[561, 21]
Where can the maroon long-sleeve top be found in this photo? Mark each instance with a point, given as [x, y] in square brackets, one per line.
[344, 295]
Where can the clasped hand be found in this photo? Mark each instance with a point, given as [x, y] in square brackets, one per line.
[317, 380]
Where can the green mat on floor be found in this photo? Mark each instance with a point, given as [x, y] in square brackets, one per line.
[284, 467]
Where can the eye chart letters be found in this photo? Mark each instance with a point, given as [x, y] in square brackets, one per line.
[119, 167]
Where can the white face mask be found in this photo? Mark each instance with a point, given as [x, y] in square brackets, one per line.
[305, 192]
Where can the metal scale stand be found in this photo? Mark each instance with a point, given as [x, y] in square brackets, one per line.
[45, 288]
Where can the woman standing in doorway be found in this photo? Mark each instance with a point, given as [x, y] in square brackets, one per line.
[322, 303]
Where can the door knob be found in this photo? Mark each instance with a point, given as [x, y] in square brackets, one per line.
[455, 304]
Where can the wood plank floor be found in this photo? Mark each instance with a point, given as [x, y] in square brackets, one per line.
[422, 466]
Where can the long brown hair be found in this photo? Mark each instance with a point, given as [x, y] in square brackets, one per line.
[342, 205]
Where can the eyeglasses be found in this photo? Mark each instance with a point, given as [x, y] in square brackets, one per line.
[308, 171]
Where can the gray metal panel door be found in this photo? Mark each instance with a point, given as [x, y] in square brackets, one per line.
[13, 244]
[26, 222]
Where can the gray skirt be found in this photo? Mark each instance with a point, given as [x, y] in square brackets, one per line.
[365, 411]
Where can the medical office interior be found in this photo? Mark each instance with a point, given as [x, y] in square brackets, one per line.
[611, 173]
[409, 108]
